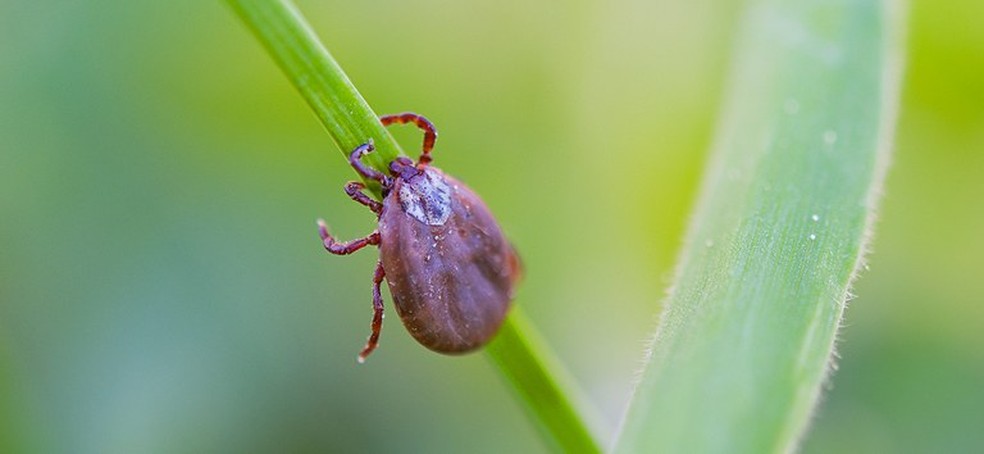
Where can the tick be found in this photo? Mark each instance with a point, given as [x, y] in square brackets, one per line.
[450, 269]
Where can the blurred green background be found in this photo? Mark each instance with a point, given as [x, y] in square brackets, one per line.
[163, 289]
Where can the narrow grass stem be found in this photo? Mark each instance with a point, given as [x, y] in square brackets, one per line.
[314, 73]
[519, 354]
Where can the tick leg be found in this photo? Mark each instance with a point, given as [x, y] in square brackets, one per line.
[430, 133]
[377, 313]
[354, 190]
[355, 159]
[344, 248]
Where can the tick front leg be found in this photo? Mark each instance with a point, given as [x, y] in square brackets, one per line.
[355, 159]
[344, 248]
[430, 132]
[354, 190]
[377, 313]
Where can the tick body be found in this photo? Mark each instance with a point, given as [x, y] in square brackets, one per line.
[449, 267]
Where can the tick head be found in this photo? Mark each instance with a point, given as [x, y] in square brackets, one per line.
[403, 167]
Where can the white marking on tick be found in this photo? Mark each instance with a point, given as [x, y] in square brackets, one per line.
[427, 198]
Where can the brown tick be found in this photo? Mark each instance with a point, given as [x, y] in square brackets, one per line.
[450, 269]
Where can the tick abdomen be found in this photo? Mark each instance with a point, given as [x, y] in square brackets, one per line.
[450, 269]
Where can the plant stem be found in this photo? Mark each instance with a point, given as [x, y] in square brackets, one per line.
[344, 113]
[521, 356]
[747, 334]
[540, 382]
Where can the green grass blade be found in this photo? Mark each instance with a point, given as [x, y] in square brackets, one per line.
[519, 354]
[542, 385]
[748, 330]
[295, 47]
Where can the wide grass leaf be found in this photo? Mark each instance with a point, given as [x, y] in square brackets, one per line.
[747, 335]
